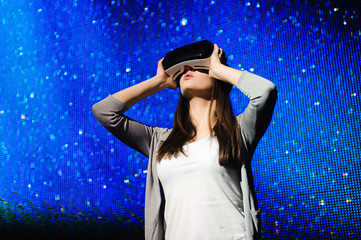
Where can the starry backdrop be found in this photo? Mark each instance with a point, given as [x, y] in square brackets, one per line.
[62, 172]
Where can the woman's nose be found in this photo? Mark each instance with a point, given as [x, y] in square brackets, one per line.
[187, 68]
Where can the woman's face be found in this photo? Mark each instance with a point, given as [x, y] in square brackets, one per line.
[194, 83]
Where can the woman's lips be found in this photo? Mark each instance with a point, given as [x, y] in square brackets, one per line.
[188, 75]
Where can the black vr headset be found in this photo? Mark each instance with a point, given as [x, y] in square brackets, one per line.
[197, 55]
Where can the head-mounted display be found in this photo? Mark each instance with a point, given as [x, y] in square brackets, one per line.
[197, 55]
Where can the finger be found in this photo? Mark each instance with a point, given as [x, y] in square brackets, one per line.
[160, 65]
[215, 53]
[173, 84]
[216, 48]
[220, 52]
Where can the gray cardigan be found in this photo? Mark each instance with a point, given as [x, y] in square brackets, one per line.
[146, 139]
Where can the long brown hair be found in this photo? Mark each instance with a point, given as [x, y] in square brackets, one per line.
[226, 128]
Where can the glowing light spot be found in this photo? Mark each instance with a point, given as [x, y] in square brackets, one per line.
[126, 181]
[219, 32]
[184, 22]
[321, 203]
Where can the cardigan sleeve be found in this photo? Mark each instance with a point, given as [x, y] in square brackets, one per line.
[109, 113]
[256, 118]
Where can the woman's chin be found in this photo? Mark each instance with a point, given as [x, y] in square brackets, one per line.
[196, 93]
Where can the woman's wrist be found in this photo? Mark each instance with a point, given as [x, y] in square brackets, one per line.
[226, 73]
[216, 71]
[158, 82]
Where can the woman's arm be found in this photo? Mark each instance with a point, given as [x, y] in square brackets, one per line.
[256, 118]
[109, 111]
[261, 92]
[221, 71]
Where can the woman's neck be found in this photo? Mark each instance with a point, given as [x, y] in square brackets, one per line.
[202, 113]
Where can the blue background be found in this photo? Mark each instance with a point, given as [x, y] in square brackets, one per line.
[61, 172]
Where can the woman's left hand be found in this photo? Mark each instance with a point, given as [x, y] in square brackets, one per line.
[215, 61]
[220, 71]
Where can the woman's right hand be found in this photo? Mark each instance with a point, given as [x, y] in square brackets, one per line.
[166, 81]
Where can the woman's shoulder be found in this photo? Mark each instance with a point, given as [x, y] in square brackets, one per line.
[161, 133]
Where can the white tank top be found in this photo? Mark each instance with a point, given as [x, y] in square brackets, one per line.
[203, 199]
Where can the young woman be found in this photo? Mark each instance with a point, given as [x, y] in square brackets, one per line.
[199, 182]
